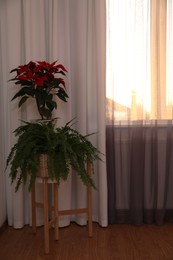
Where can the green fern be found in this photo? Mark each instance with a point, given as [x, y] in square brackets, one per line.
[66, 148]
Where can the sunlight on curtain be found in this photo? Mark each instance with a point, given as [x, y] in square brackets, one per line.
[169, 57]
[139, 132]
[138, 85]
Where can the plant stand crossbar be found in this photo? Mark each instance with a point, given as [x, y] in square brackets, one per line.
[56, 212]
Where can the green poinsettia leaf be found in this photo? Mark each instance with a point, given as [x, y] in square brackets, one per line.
[56, 82]
[17, 81]
[41, 94]
[49, 97]
[23, 99]
[24, 91]
[46, 113]
[13, 70]
[41, 97]
[51, 104]
[62, 94]
[22, 82]
[26, 83]
[30, 91]
[62, 72]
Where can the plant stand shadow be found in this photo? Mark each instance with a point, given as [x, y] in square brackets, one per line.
[56, 212]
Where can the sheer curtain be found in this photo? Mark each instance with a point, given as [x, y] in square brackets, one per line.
[139, 131]
[72, 32]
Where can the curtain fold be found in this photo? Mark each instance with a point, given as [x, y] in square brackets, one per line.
[2, 157]
[72, 32]
[139, 167]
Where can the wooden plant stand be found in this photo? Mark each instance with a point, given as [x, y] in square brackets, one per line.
[56, 212]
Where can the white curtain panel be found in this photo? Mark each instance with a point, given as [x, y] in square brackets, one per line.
[72, 32]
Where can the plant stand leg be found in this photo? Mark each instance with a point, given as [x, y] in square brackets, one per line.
[46, 217]
[56, 211]
[33, 208]
[46, 208]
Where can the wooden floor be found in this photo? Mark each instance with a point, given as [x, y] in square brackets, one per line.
[119, 242]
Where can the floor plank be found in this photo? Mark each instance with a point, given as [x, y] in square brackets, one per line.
[120, 242]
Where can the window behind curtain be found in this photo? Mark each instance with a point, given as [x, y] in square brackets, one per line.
[139, 60]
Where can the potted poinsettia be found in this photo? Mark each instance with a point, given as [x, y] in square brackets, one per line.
[41, 143]
[39, 80]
